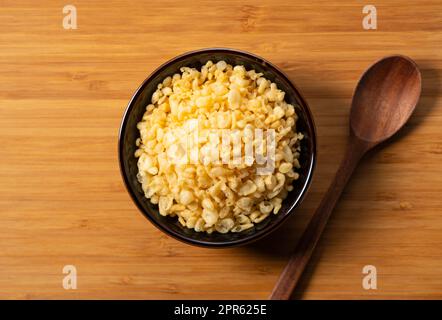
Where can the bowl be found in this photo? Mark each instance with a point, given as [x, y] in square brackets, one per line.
[129, 133]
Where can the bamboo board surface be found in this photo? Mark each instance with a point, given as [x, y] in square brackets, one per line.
[63, 202]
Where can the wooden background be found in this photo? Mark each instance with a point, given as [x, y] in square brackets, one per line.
[62, 200]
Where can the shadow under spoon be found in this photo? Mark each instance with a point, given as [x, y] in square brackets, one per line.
[384, 100]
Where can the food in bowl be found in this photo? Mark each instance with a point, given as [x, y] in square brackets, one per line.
[218, 148]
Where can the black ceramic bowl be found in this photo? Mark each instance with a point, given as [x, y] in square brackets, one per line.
[129, 133]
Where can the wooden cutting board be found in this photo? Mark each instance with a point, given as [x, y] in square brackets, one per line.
[62, 200]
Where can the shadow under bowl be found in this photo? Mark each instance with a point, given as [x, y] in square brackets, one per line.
[129, 133]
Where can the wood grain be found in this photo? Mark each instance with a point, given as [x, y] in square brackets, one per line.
[62, 200]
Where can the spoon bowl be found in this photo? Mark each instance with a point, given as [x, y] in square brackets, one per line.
[385, 98]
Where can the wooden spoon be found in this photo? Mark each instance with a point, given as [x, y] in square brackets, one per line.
[383, 101]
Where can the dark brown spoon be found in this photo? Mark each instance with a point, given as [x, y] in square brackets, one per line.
[383, 101]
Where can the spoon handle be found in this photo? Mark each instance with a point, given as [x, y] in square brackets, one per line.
[304, 249]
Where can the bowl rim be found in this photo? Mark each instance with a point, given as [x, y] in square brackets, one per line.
[259, 234]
